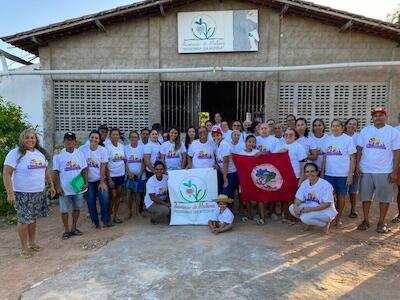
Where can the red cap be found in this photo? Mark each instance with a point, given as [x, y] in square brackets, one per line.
[217, 130]
[379, 110]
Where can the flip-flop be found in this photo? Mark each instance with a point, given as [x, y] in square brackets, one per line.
[25, 254]
[396, 220]
[34, 248]
[260, 222]
[363, 226]
[382, 228]
[117, 221]
[66, 235]
[244, 219]
[76, 232]
[353, 215]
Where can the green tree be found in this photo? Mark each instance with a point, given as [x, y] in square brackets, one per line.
[394, 17]
[12, 123]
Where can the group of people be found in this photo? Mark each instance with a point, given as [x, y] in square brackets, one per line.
[328, 167]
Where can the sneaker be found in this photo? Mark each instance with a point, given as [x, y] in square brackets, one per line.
[256, 217]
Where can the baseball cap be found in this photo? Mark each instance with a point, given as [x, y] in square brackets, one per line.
[377, 110]
[69, 135]
[216, 130]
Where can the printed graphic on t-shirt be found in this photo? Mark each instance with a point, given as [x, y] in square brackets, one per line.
[92, 163]
[332, 150]
[118, 157]
[36, 163]
[72, 166]
[319, 149]
[376, 143]
[172, 154]
[134, 159]
[311, 197]
[162, 193]
[262, 149]
[204, 155]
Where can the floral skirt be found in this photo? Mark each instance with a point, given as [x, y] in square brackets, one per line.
[30, 206]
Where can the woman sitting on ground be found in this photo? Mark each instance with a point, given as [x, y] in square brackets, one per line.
[223, 220]
[314, 204]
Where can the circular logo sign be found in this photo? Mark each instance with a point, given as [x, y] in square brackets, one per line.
[267, 177]
[203, 27]
[193, 189]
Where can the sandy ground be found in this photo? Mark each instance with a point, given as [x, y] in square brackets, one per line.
[347, 264]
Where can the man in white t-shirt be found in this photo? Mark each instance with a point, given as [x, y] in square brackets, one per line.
[378, 153]
[67, 167]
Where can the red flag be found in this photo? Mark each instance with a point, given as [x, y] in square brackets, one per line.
[268, 177]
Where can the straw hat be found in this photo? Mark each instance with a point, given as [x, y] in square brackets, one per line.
[223, 198]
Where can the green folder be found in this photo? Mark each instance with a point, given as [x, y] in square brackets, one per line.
[77, 183]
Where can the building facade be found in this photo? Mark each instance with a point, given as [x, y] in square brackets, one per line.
[145, 35]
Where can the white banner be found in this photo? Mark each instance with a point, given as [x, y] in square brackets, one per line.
[218, 31]
[191, 193]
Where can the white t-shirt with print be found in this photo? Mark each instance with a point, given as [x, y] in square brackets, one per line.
[338, 151]
[227, 136]
[226, 216]
[202, 154]
[224, 149]
[378, 146]
[238, 147]
[265, 144]
[152, 148]
[69, 165]
[307, 143]
[116, 160]
[319, 142]
[30, 171]
[315, 195]
[296, 155]
[245, 153]
[94, 159]
[158, 187]
[173, 158]
[134, 159]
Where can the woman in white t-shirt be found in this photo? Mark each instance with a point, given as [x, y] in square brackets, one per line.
[319, 136]
[173, 152]
[265, 141]
[297, 156]
[305, 140]
[191, 135]
[350, 128]
[250, 150]
[97, 158]
[201, 152]
[314, 204]
[24, 175]
[116, 172]
[156, 199]
[339, 163]
[152, 153]
[134, 153]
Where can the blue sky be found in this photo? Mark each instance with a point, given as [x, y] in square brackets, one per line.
[21, 15]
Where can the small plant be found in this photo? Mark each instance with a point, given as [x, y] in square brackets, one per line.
[203, 30]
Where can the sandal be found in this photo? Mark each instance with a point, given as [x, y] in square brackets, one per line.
[363, 226]
[76, 232]
[244, 219]
[353, 215]
[382, 228]
[66, 235]
[396, 220]
[117, 221]
[25, 254]
[260, 222]
[34, 248]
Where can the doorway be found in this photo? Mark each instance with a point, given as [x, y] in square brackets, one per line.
[219, 97]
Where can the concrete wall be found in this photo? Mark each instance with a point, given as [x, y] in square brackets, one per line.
[25, 91]
[288, 40]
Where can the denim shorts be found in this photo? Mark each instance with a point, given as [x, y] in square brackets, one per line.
[339, 184]
[136, 185]
[76, 201]
[118, 181]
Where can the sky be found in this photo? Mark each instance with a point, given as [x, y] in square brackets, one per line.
[21, 15]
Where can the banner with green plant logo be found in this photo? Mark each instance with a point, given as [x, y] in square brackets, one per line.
[191, 193]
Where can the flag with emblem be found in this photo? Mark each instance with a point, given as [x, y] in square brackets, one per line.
[264, 178]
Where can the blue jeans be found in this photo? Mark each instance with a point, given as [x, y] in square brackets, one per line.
[92, 193]
[233, 184]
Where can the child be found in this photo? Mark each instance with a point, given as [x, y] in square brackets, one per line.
[250, 151]
[223, 220]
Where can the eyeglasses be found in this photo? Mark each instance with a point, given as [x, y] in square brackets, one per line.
[236, 125]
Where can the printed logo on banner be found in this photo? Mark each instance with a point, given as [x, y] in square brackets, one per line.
[193, 190]
[203, 27]
[267, 177]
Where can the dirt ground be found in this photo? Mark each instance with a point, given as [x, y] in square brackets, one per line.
[355, 263]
